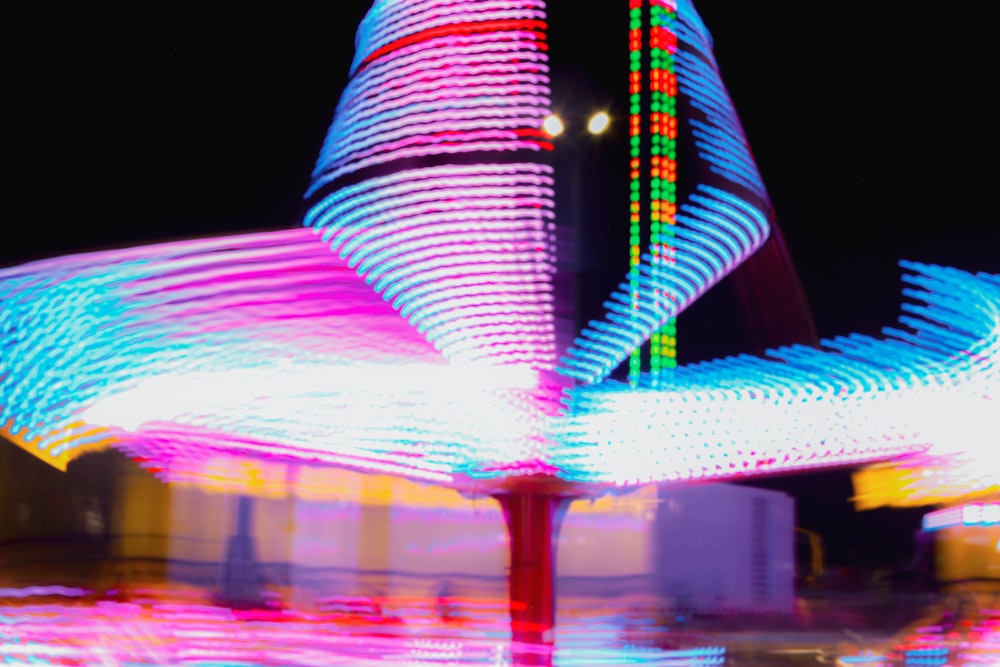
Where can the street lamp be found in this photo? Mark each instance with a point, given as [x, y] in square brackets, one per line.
[598, 122]
[553, 125]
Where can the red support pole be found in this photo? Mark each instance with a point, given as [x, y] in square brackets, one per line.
[533, 521]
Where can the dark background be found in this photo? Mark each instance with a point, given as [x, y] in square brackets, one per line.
[873, 128]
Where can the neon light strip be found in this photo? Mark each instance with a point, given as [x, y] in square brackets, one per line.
[636, 8]
[945, 518]
[39, 591]
[663, 166]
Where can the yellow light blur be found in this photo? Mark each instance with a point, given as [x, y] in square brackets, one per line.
[553, 125]
[901, 485]
[599, 122]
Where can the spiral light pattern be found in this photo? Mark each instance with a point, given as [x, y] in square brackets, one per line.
[422, 346]
[433, 183]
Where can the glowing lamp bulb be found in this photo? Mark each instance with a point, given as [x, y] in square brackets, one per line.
[598, 123]
[553, 125]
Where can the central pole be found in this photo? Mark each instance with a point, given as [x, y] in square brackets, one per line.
[533, 521]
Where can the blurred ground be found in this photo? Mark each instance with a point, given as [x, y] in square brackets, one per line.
[127, 606]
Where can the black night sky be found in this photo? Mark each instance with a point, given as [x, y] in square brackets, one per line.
[873, 128]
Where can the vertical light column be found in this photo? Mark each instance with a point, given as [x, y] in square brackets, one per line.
[663, 165]
[660, 111]
[635, 164]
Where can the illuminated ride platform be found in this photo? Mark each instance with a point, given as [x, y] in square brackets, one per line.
[410, 329]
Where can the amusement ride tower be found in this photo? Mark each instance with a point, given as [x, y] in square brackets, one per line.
[411, 328]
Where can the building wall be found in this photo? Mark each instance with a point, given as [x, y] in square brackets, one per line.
[967, 553]
[141, 514]
[610, 537]
[55, 526]
[726, 548]
[368, 535]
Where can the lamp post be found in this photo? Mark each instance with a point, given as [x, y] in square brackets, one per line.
[534, 508]
[578, 140]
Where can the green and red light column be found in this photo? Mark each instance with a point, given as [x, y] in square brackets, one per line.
[652, 161]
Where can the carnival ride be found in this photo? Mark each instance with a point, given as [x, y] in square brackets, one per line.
[411, 329]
